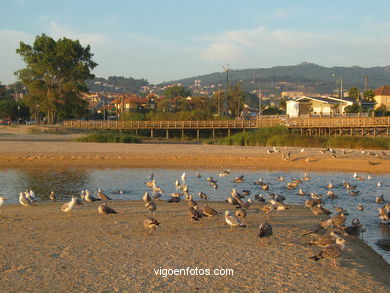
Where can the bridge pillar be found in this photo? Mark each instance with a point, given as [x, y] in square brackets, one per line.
[151, 133]
[167, 133]
[197, 134]
[182, 134]
[229, 132]
[136, 132]
[214, 133]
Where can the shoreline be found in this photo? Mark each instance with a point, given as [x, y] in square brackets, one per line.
[20, 154]
[43, 249]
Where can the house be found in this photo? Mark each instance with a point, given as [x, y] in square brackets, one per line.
[326, 105]
[382, 97]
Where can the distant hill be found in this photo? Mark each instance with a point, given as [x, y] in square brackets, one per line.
[307, 77]
[116, 84]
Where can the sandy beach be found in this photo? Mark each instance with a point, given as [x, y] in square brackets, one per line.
[43, 250]
[15, 154]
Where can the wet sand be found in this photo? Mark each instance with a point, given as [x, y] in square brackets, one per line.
[43, 250]
[15, 154]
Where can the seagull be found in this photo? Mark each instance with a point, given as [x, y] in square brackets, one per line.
[241, 214]
[360, 207]
[232, 220]
[265, 230]
[177, 184]
[203, 196]
[239, 179]
[301, 192]
[2, 199]
[194, 213]
[183, 177]
[152, 207]
[24, 201]
[384, 213]
[331, 251]
[302, 150]
[102, 195]
[68, 206]
[90, 198]
[104, 209]
[325, 240]
[197, 175]
[379, 199]
[146, 197]
[224, 173]
[330, 185]
[209, 212]
[306, 177]
[151, 223]
[52, 196]
[379, 184]
[315, 229]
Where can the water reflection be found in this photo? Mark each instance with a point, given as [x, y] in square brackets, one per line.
[131, 183]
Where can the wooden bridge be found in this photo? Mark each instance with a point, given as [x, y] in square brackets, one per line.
[361, 126]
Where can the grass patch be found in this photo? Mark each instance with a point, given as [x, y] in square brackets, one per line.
[107, 136]
[279, 136]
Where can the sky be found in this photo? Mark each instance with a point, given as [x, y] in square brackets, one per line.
[163, 40]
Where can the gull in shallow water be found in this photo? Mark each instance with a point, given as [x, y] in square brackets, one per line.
[24, 201]
[232, 220]
[52, 196]
[104, 209]
[102, 195]
[68, 206]
[90, 198]
[331, 251]
[2, 199]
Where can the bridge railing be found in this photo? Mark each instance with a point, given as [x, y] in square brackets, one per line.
[235, 124]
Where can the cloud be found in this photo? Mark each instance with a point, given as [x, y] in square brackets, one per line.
[56, 31]
[9, 60]
[266, 47]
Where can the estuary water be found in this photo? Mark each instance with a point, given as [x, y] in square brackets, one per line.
[129, 184]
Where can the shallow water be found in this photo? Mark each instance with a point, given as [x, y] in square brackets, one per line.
[128, 184]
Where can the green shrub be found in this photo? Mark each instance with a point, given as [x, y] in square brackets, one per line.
[280, 136]
[107, 136]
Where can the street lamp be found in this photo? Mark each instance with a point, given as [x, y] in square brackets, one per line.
[341, 85]
[19, 114]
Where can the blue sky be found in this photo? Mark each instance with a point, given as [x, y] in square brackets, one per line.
[171, 39]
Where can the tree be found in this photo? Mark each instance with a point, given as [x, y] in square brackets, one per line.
[55, 74]
[355, 108]
[353, 93]
[369, 95]
[176, 91]
[10, 109]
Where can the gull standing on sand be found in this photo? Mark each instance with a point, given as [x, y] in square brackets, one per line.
[265, 230]
[331, 251]
[151, 223]
[232, 220]
[24, 201]
[104, 209]
[241, 214]
[68, 206]
[209, 212]
[152, 207]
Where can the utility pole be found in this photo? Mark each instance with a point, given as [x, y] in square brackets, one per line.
[259, 100]
[227, 86]
[219, 99]
[365, 82]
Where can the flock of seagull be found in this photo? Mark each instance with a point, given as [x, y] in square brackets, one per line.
[328, 233]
